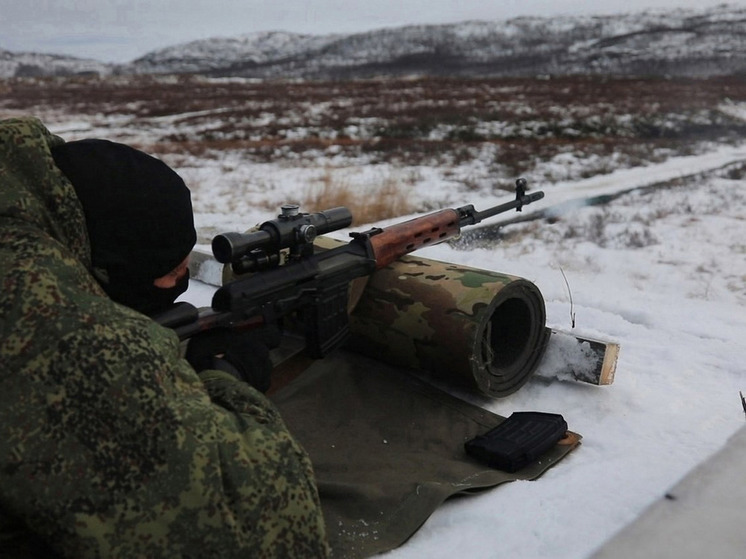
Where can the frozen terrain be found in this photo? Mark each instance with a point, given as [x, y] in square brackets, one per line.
[662, 272]
[659, 268]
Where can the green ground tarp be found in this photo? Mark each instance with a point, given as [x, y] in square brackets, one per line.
[387, 449]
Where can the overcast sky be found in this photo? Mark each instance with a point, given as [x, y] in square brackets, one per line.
[122, 30]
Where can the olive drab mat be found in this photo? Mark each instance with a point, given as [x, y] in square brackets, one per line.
[388, 449]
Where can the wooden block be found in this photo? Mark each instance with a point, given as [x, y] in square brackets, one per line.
[579, 358]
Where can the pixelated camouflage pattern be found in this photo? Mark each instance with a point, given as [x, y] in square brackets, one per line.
[110, 444]
[444, 318]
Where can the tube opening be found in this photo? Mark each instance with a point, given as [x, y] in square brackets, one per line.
[508, 334]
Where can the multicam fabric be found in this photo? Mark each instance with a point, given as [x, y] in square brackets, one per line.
[110, 444]
[478, 328]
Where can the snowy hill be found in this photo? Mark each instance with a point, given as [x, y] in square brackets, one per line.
[30, 64]
[680, 42]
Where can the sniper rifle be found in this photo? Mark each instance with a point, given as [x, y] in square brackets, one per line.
[314, 284]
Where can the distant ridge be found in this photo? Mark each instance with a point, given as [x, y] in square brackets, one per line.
[696, 43]
[31, 64]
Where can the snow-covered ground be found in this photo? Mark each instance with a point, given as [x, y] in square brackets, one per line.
[663, 273]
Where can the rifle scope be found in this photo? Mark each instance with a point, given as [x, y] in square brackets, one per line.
[291, 229]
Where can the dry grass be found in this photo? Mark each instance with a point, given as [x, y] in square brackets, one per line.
[374, 202]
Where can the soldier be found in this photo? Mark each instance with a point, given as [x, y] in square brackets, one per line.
[111, 445]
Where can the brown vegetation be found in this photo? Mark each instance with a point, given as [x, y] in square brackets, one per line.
[414, 118]
[383, 200]
[425, 121]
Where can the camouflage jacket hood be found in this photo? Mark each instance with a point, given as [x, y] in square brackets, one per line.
[34, 190]
[110, 443]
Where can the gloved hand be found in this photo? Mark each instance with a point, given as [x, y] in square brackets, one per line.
[244, 354]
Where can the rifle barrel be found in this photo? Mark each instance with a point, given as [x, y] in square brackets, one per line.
[472, 218]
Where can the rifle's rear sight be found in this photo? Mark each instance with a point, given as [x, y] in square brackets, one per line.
[292, 230]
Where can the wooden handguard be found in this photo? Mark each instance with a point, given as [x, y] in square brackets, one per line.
[400, 239]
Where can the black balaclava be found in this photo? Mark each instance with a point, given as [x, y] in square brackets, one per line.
[139, 217]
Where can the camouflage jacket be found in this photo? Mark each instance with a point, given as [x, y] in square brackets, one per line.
[110, 444]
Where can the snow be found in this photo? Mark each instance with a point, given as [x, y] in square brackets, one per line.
[661, 272]
[676, 308]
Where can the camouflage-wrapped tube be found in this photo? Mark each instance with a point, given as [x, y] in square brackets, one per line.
[476, 327]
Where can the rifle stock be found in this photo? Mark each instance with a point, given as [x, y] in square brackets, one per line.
[311, 285]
